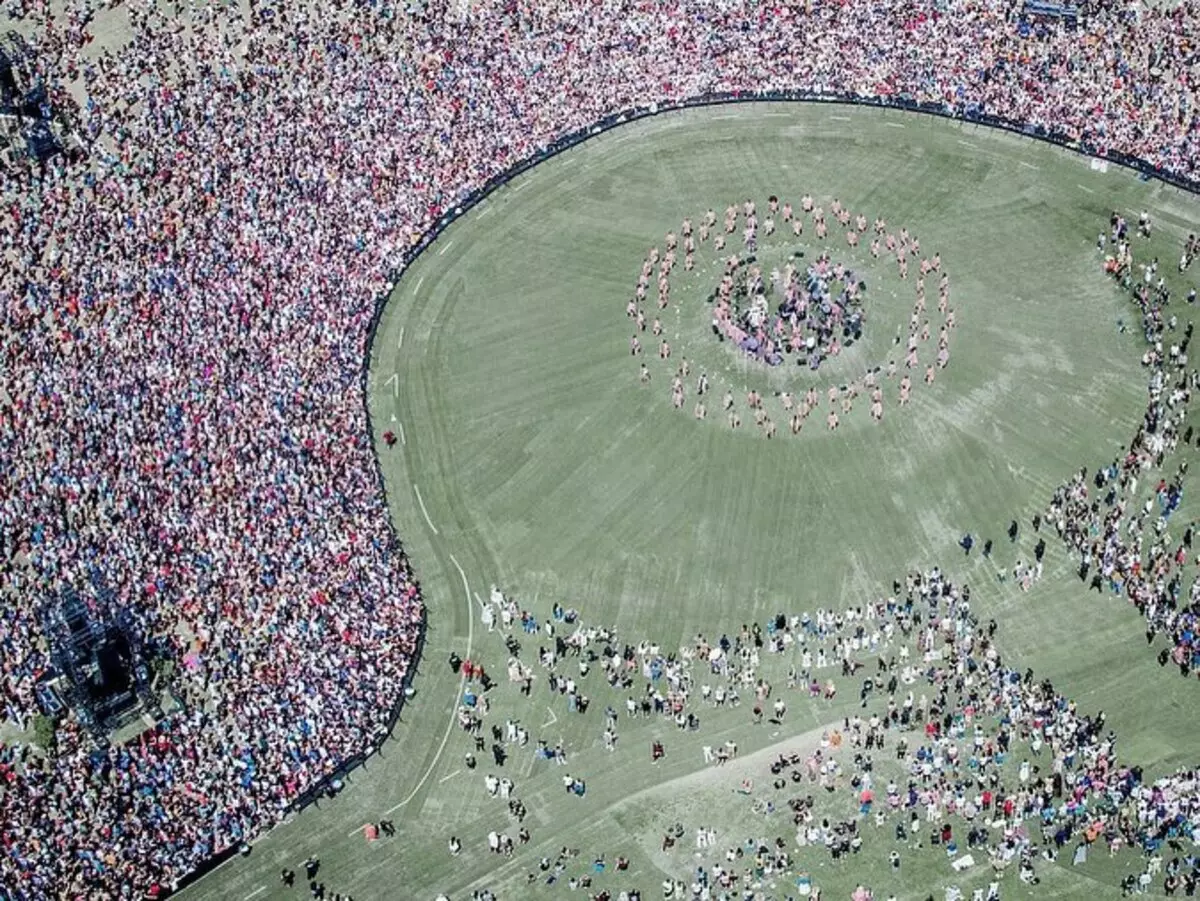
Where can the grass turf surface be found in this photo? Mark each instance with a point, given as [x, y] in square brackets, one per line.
[532, 459]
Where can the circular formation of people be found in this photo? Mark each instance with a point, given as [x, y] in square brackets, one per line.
[819, 311]
[187, 303]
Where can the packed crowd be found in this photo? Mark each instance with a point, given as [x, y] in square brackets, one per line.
[186, 312]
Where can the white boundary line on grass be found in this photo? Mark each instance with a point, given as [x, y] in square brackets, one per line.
[1026, 165]
[400, 343]
[1082, 188]
[256, 892]
[449, 244]
[420, 282]
[448, 777]
[894, 124]
[400, 426]
[421, 501]
[462, 681]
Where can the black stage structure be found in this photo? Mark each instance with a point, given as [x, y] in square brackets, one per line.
[29, 121]
[101, 669]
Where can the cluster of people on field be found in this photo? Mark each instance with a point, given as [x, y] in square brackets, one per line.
[820, 305]
[952, 748]
[186, 308]
[588, 669]
[821, 311]
[1125, 538]
[989, 763]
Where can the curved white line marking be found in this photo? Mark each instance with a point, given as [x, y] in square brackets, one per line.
[462, 681]
[421, 501]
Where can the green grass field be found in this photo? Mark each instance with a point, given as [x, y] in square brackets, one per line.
[532, 458]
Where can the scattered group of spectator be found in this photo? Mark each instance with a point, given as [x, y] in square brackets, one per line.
[995, 762]
[952, 748]
[187, 304]
[1124, 537]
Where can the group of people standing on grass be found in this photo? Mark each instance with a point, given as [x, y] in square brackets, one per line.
[950, 747]
[809, 322]
[1118, 517]
[185, 311]
[806, 311]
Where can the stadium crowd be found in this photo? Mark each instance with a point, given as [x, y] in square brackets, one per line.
[186, 311]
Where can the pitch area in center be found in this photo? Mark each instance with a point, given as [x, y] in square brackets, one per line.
[529, 428]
